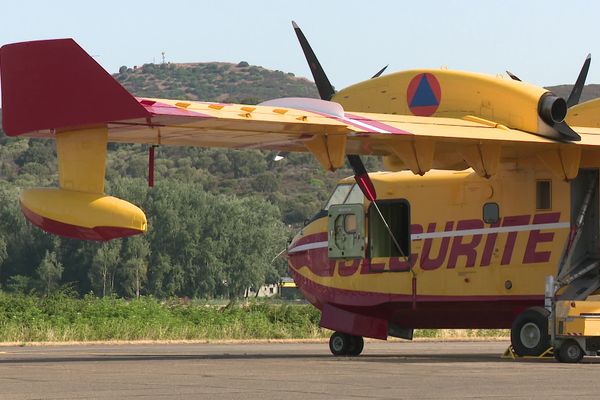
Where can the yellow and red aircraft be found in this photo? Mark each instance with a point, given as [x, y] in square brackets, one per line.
[488, 182]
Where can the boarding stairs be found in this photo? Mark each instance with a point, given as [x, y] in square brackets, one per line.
[578, 279]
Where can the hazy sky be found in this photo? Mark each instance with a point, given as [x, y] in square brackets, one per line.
[544, 42]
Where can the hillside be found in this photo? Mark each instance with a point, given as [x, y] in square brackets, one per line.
[589, 91]
[213, 81]
[227, 82]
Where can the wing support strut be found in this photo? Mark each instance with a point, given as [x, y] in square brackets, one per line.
[416, 155]
[563, 162]
[484, 158]
[329, 150]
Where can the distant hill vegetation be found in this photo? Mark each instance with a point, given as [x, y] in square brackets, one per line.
[214, 81]
[589, 91]
[241, 82]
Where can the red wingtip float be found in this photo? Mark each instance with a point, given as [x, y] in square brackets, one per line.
[467, 245]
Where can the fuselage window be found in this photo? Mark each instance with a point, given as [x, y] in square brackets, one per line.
[491, 213]
[397, 215]
[543, 195]
[350, 223]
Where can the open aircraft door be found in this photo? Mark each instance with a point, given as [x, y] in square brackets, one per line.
[346, 228]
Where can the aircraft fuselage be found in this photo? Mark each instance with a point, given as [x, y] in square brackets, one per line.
[467, 268]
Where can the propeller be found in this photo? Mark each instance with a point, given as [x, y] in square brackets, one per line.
[553, 109]
[579, 83]
[326, 92]
[513, 76]
[378, 74]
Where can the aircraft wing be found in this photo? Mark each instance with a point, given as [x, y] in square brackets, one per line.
[585, 114]
[55, 89]
[326, 130]
[54, 85]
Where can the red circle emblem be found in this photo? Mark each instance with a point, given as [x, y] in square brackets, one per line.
[423, 95]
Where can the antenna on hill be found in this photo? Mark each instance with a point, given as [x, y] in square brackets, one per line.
[163, 57]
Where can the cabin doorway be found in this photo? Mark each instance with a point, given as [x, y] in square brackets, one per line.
[579, 269]
[396, 214]
[587, 247]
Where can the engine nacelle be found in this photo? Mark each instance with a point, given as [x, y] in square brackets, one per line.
[456, 94]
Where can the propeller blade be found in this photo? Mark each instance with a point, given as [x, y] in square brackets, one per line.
[513, 76]
[378, 74]
[325, 88]
[326, 91]
[553, 110]
[564, 129]
[361, 176]
[578, 87]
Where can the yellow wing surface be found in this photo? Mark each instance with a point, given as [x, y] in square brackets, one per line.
[585, 114]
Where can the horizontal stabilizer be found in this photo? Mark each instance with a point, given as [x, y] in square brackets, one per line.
[55, 84]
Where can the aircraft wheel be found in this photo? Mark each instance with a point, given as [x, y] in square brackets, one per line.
[340, 343]
[529, 333]
[570, 352]
[356, 345]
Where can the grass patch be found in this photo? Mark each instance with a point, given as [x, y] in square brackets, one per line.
[60, 318]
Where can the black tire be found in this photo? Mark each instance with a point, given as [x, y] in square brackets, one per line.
[570, 352]
[339, 343]
[529, 333]
[356, 347]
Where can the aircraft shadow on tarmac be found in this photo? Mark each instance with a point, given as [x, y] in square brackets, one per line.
[387, 358]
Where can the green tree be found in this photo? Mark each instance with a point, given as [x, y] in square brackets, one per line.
[3, 253]
[133, 272]
[104, 265]
[49, 273]
[254, 234]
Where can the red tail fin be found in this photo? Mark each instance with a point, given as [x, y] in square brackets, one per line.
[53, 84]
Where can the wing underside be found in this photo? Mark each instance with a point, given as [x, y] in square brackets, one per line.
[448, 142]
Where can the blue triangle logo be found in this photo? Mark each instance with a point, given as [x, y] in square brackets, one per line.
[424, 95]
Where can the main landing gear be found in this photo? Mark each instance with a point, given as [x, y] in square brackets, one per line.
[343, 344]
[529, 335]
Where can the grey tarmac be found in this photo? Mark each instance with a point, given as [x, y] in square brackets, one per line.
[386, 370]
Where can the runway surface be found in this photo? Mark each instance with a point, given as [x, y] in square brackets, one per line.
[418, 370]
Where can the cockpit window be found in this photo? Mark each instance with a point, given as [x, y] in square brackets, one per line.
[346, 193]
[339, 195]
[356, 196]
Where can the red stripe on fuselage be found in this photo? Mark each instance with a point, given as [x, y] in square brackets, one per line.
[437, 312]
[313, 238]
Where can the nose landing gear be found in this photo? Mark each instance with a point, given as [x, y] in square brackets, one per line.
[344, 344]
